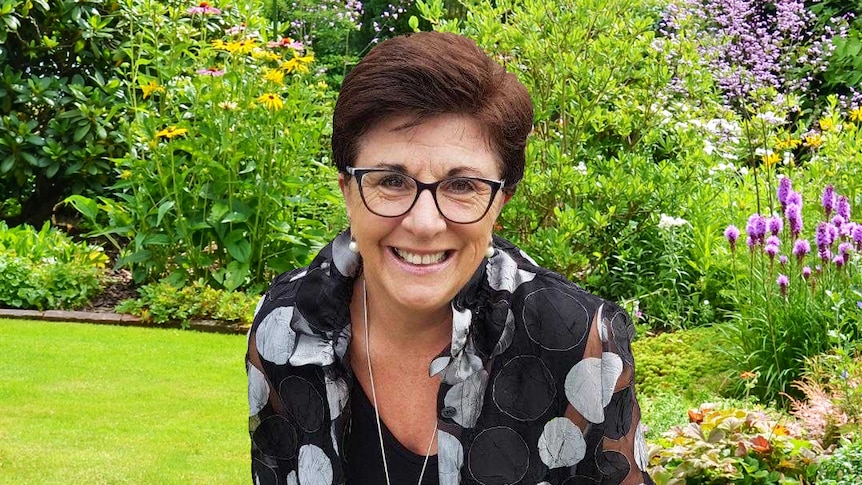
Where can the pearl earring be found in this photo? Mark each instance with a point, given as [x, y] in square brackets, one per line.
[489, 253]
[352, 246]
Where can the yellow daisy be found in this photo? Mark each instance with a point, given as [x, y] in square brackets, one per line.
[171, 132]
[271, 101]
[274, 75]
[150, 88]
[856, 114]
[814, 140]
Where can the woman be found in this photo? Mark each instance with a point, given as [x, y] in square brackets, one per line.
[417, 347]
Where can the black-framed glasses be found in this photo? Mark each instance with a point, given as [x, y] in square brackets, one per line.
[390, 193]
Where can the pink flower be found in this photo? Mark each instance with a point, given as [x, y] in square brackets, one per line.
[203, 8]
[211, 71]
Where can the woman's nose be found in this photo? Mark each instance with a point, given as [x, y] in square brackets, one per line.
[424, 218]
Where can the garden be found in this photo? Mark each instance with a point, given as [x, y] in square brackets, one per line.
[699, 161]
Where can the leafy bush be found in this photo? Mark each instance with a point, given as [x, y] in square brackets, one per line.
[605, 159]
[227, 146]
[731, 445]
[60, 103]
[163, 302]
[689, 363]
[844, 467]
[45, 269]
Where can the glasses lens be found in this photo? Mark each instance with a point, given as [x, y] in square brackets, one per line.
[464, 199]
[388, 193]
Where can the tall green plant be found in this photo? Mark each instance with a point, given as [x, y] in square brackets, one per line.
[229, 135]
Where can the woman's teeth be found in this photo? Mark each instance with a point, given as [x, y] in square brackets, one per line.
[420, 258]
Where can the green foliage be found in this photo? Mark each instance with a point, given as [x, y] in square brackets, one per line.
[228, 139]
[844, 467]
[688, 363]
[60, 103]
[733, 446]
[845, 64]
[45, 269]
[163, 302]
[604, 162]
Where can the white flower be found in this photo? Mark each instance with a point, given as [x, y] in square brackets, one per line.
[667, 222]
[581, 168]
[771, 118]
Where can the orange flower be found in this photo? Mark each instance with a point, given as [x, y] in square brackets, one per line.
[695, 416]
[748, 375]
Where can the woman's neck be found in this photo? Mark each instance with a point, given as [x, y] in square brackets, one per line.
[395, 325]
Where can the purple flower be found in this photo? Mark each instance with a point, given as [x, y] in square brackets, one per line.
[783, 281]
[771, 250]
[775, 225]
[806, 272]
[843, 208]
[793, 212]
[203, 8]
[784, 189]
[756, 228]
[782, 260]
[732, 234]
[823, 235]
[795, 198]
[825, 254]
[856, 233]
[828, 200]
[839, 261]
[846, 230]
[751, 243]
[801, 248]
[838, 221]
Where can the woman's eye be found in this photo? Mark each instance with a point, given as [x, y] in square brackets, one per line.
[393, 181]
[460, 186]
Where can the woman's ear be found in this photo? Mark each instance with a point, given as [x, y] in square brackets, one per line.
[344, 185]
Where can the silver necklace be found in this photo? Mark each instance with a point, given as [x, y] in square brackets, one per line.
[374, 398]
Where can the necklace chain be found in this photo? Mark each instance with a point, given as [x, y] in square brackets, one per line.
[374, 397]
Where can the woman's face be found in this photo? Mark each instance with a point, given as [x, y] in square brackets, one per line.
[420, 260]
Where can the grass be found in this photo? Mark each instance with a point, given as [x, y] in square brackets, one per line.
[110, 405]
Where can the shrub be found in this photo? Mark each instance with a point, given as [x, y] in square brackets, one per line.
[844, 467]
[227, 148]
[45, 269]
[60, 103]
[163, 302]
[688, 363]
[731, 445]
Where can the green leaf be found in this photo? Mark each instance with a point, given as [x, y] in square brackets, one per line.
[136, 257]
[414, 23]
[240, 250]
[163, 209]
[235, 275]
[85, 205]
[235, 217]
[81, 132]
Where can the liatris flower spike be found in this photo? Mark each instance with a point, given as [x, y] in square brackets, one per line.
[784, 190]
[843, 209]
[794, 219]
[801, 248]
[756, 228]
[732, 235]
[828, 200]
[775, 225]
[782, 260]
[856, 234]
[795, 198]
[771, 250]
[783, 281]
[806, 272]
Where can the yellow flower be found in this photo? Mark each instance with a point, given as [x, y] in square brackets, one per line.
[787, 142]
[271, 101]
[150, 88]
[814, 140]
[171, 132]
[856, 114]
[274, 75]
[826, 124]
[219, 44]
[265, 55]
[126, 174]
[770, 159]
[298, 63]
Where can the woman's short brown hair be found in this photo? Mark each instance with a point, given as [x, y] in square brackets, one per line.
[428, 74]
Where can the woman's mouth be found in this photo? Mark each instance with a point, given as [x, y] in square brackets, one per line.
[421, 259]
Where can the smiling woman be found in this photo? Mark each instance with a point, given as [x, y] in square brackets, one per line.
[418, 347]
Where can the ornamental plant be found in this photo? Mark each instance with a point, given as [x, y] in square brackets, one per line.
[45, 269]
[797, 287]
[229, 136]
[733, 446]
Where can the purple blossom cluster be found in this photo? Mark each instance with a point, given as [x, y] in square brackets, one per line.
[754, 44]
[835, 238]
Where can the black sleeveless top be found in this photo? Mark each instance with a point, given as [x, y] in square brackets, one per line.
[364, 461]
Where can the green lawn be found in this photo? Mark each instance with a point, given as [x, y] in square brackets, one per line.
[96, 404]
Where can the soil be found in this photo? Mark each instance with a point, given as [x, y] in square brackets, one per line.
[119, 286]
